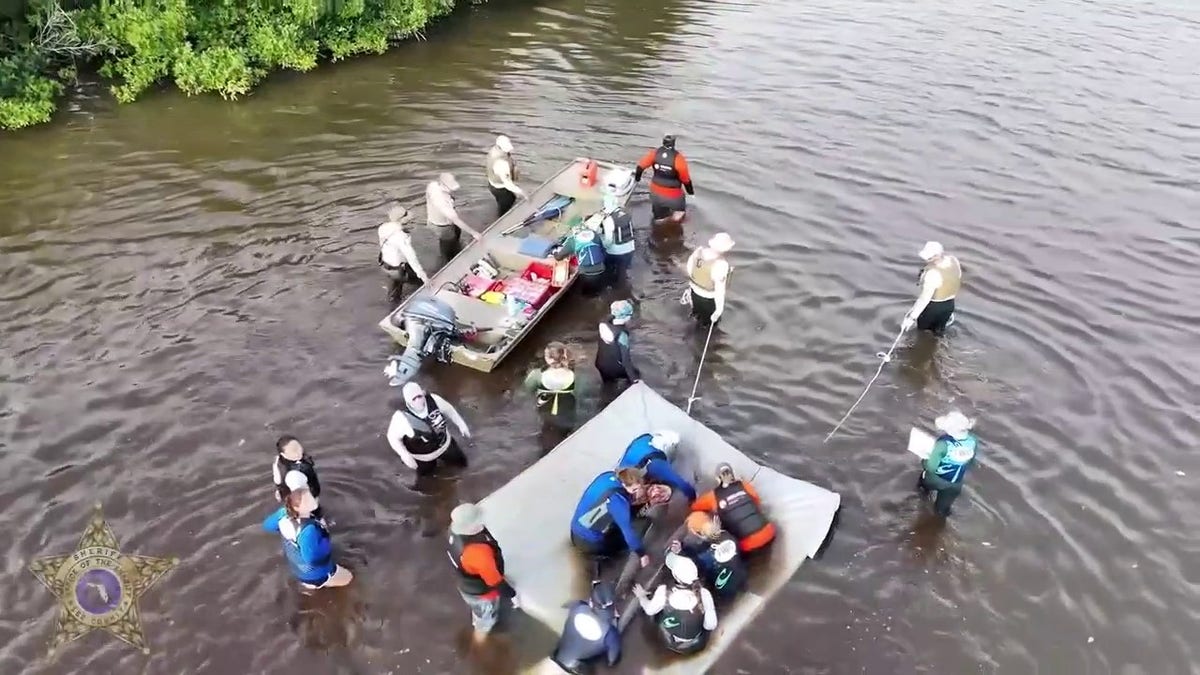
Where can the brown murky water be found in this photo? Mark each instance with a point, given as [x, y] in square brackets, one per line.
[183, 280]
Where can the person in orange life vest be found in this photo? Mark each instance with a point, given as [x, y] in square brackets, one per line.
[668, 182]
[739, 507]
[479, 562]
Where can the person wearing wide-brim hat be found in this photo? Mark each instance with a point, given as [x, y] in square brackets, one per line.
[397, 257]
[480, 566]
[708, 273]
[940, 281]
[442, 215]
[953, 455]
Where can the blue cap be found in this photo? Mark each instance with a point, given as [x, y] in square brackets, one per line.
[621, 309]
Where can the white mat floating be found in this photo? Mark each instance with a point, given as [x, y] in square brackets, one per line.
[530, 516]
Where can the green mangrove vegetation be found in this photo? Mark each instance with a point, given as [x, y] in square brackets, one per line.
[220, 46]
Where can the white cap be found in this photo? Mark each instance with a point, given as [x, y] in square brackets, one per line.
[294, 480]
[931, 250]
[503, 143]
[682, 568]
[954, 423]
[448, 180]
[664, 440]
[721, 242]
[466, 519]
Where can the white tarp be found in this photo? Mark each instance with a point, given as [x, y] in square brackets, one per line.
[530, 516]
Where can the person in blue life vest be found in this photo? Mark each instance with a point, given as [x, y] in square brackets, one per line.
[716, 554]
[603, 523]
[616, 233]
[614, 359]
[953, 455]
[588, 250]
[590, 631]
[652, 452]
[306, 543]
[683, 608]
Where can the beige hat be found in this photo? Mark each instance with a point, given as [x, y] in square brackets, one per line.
[399, 215]
[721, 242]
[448, 180]
[931, 250]
[466, 519]
[503, 143]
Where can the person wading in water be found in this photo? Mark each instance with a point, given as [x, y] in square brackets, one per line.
[397, 257]
[502, 175]
[708, 275]
[443, 216]
[668, 182]
[477, 558]
[940, 280]
[419, 432]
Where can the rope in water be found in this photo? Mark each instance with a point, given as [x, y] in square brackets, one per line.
[696, 385]
[883, 357]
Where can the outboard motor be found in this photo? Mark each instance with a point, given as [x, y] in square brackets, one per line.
[432, 327]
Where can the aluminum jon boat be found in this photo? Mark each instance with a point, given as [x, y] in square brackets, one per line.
[530, 516]
[480, 305]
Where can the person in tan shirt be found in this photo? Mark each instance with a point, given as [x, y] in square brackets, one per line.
[443, 216]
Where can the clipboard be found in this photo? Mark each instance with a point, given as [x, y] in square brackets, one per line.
[920, 442]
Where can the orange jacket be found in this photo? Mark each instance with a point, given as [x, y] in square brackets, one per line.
[681, 167]
[708, 502]
[477, 559]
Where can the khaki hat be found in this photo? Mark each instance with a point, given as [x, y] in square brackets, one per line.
[448, 180]
[466, 520]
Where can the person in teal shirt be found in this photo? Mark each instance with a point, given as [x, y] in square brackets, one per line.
[588, 250]
[953, 455]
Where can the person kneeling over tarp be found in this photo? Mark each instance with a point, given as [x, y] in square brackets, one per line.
[306, 543]
[480, 565]
[652, 452]
[953, 454]
[685, 609]
[739, 507]
[603, 522]
[590, 630]
[716, 554]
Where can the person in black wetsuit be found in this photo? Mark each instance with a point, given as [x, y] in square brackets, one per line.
[590, 631]
[614, 359]
[290, 456]
[715, 552]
